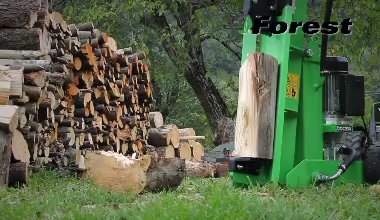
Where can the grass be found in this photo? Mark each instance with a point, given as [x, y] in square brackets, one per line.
[50, 196]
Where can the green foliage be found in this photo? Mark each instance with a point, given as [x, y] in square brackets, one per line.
[218, 28]
[70, 198]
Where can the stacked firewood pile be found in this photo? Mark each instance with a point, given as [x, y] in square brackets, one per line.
[75, 90]
[168, 141]
[66, 90]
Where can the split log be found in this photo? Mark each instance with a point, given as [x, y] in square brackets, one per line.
[254, 133]
[199, 169]
[8, 117]
[16, 79]
[20, 150]
[185, 151]
[5, 89]
[118, 173]
[198, 151]
[156, 120]
[174, 134]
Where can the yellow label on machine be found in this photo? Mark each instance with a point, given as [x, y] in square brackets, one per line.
[293, 86]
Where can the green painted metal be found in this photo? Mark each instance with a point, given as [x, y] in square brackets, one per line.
[298, 144]
[333, 128]
[303, 174]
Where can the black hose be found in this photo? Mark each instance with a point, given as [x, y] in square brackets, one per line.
[353, 154]
[325, 37]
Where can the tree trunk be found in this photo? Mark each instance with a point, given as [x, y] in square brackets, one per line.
[211, 101]
[195, 73]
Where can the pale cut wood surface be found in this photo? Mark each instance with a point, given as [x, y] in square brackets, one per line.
[255, 120]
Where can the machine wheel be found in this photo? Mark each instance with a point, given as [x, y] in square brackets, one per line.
[372, 164]
[354, 140]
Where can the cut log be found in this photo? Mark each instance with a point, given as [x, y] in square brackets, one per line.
[33, 92]
[5, 89]
[185, 151]
[20, 150]
[21, 54]
[184, 132]
[159, 137]
[198, 151]
[174, 134]
[156, 120]
[164, 174]
[8, 117]
[199, 169]
[188, 138]
[5, 157]
[19, 14]
[17, 79]
[24, 39]
[254, 133]
[112, 44]
[35, 79]
[165, 152]
[18, 174]
[118, 173]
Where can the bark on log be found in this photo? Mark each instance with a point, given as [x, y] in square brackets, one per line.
[24, 39]
[8, 117]
[19, 14]
[118, 173]
[21, 54]
[18, 173]
[35, 79]
[158, 138]
[165, 152]
[199, 169]
[5, 157]
[254, 133]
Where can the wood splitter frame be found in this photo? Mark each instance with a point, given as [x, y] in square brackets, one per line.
[314, 137]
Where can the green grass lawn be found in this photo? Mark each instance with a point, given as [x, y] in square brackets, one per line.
[49, 196]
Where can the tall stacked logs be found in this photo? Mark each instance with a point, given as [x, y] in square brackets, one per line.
[75, 89]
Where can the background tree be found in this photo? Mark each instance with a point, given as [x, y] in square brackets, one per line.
[194, 48]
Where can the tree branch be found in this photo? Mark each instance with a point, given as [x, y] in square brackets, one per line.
[228, 47]
[199, 4]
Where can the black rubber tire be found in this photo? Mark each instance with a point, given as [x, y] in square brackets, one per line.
[372, 164]
[354, 140]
